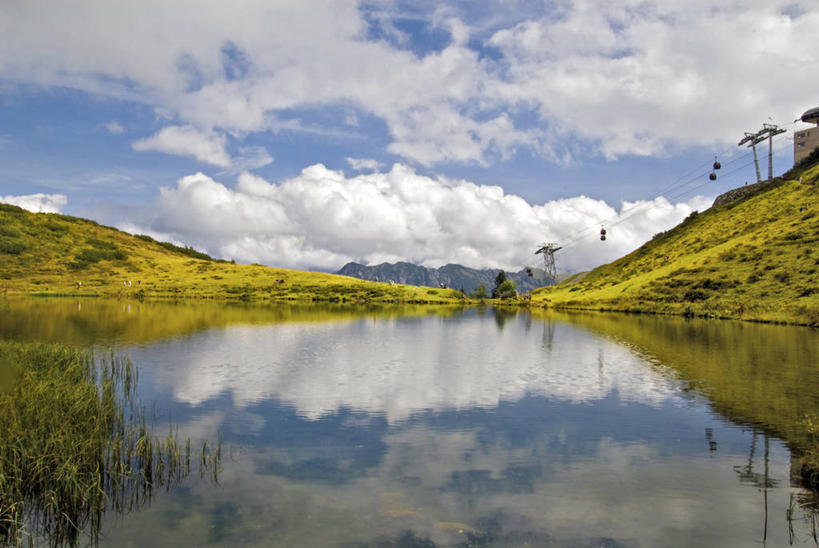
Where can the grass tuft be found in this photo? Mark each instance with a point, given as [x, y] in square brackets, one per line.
[74, 443]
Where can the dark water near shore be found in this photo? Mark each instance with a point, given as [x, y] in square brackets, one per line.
[434, 426]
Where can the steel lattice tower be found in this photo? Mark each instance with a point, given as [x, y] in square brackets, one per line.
[548, 250]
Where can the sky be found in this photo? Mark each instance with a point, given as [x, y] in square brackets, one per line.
[307, 134]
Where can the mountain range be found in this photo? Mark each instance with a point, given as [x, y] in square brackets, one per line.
[454, 276]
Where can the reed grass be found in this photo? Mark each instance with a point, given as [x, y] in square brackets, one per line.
[809, 464]
[75, 443]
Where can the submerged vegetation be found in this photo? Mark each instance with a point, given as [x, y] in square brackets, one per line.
[74, 443]
[753, 258]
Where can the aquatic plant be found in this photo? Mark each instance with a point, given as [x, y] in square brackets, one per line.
[809, 465]
[74, 443]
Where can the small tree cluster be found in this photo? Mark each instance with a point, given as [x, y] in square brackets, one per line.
[504, 288]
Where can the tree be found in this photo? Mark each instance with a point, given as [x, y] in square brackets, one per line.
[500, 279]
[506, 290]
[480, 292]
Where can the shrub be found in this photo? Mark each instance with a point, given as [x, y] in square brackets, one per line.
[57, 228]
[694, 295]
[507, 289]
[101, 251]
[11, 246]
[782, 277]
[8, 208]
[187, 250]
[9, 232]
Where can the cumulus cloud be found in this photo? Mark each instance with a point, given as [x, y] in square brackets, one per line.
[323, 219]
[207, 147]
[38, 203]
[620, 77]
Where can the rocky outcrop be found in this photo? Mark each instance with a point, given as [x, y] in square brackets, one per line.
[741, 192]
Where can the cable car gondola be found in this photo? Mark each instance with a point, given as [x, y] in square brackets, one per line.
[717, 165]
[713, 176]
[603, 234]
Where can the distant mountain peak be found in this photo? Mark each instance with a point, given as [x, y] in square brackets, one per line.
[452, 275]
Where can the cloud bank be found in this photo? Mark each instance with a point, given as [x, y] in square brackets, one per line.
[38, 203]
[323, 219]
[563, 80]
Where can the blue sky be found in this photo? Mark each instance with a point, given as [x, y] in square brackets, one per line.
[539, 120]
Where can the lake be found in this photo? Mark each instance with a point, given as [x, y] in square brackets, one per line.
[414, 426]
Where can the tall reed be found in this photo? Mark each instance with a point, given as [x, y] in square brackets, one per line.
[74, 443]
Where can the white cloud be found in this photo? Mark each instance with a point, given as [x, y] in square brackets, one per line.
[207, 147]
[252, 157]
[38, 203]
[114, 127]
[364, 164]
[621, 77]
[323, 219]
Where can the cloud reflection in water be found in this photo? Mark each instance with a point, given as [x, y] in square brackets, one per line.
[397, 367]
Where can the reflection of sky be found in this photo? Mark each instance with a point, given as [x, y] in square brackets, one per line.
[398, 367]
[484, 429]
[546, 472]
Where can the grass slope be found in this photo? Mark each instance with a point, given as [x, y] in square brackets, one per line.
[47, 254]
[755, 259]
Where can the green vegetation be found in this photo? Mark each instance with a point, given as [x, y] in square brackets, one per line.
[73, 444]
[50, 254]
[506, 290]
[754, 259]
[504, 287]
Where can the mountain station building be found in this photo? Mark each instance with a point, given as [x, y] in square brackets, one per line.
[805, 140]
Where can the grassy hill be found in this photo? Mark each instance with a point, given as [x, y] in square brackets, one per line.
[47, 254]
[755, 258]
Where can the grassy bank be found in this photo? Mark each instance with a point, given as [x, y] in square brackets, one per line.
[73, 444]
[752, 259]
[48, 254]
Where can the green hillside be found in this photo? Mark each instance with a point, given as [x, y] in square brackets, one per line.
[755, 258]
[48, 254]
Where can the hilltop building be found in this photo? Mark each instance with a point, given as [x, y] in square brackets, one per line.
[805, 140]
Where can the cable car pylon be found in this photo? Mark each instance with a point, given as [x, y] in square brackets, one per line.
[548, 250]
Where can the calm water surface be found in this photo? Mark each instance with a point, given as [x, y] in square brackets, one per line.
[417, 427]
